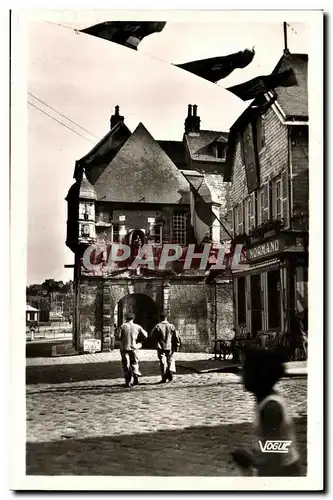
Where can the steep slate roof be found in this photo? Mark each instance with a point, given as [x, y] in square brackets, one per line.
[142, 171]
[82, 189]
[106, 148]
[198, 143]
[175, 151]
[294, 100]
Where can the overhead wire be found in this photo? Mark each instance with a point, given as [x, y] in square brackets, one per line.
[61, 114]
[58, 121]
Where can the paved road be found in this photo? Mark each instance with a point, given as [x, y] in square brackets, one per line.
[97, 427]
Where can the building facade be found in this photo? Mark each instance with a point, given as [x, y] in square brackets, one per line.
[131, 189]
[269, 169]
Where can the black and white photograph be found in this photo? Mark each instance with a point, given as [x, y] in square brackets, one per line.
[166, 191]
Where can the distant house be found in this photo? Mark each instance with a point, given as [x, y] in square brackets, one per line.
[32, 314]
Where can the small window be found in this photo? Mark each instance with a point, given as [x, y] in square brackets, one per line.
[85, 230]
[239, 219]
[157, 233]
[250, 209]
[179, 228]
[221, 151]
[115, 233]
[86, 211]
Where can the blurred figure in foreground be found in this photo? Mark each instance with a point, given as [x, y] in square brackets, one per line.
[262, 370]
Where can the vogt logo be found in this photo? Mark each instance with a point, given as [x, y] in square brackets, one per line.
[271, 446]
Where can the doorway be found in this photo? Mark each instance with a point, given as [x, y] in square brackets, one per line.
[144, 308]
[256, 304]
[274, 299]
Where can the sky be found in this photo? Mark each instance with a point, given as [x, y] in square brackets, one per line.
[84, 77]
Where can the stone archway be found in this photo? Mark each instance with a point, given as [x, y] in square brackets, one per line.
[144, 308]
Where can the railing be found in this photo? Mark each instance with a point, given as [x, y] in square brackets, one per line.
[58, 330]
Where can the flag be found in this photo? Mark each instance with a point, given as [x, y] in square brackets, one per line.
[202, 216]
[127, 33]
[261, 84]
[216, 68]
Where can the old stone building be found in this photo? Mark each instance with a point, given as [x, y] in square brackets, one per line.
[132, 189]
[269, 169]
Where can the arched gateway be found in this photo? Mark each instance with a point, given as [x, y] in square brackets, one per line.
[144, 308]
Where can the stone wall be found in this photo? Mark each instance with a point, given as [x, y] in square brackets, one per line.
[90, 311]
[191, 307]
[225, 311]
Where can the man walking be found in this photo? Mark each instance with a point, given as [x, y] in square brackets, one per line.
[167, 341]
[129, 337]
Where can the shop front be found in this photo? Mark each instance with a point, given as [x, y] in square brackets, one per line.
[271, 289]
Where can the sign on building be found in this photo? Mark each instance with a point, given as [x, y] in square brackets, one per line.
[92, 345]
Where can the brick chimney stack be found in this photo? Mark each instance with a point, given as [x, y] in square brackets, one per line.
[192, 121]
[116, 118]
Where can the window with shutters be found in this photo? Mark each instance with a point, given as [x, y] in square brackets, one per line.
[285, 198]
[239, 219]
[261, 204]
[277, 198]
[156, 234]
[250, 212]
[264, 203]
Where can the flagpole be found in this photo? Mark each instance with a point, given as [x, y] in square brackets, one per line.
[285, 34]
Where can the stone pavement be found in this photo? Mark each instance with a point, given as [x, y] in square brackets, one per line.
[82, 421]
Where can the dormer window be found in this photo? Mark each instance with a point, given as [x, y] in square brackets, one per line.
[220, 150]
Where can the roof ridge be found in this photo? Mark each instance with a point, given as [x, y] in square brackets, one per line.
[104, 139]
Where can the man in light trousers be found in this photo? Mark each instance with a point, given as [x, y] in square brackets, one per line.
[167, 341]
[129, 336]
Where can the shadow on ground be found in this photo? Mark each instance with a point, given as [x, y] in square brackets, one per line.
[193, 451]
[42, 348]
[78, 372]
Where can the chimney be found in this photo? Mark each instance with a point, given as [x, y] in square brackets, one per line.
[116, 117]
[192, 122]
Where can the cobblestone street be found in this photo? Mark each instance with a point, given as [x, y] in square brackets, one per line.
[188, 427]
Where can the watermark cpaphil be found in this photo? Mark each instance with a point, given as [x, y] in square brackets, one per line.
[275, 446]
[212, 256]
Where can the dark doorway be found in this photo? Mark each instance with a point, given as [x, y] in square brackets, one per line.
[241, 312]
[256, 304]
[274, 298]
[144, 308]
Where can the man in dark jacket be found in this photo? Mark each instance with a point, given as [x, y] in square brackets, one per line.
[166, 338]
